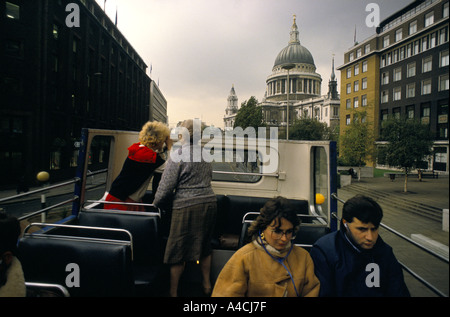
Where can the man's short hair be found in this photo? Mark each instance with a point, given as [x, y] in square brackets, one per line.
[364, 208]
[9, 233]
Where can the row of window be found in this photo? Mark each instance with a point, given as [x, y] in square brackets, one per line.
[424, 116]
[354, 103]
[427, 64]
[414, 11]
[356, 85]
[425, 43]
[429, 19]
[412, 27]
[415, 47]
[425, 89]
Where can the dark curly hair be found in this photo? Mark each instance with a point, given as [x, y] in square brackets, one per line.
[9, 233]
[274, 209]
[364, 208]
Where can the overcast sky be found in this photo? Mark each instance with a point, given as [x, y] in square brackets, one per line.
[198, 49]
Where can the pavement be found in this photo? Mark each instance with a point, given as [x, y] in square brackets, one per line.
[431, 191]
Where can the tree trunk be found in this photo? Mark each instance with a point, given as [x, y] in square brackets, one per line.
[405, 188]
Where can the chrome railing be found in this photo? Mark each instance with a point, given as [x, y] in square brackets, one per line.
[46, 189]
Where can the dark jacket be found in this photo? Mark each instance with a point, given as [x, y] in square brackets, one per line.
[343, 269]
[137, 168]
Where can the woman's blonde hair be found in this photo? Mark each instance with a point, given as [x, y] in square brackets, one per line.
[153, 132]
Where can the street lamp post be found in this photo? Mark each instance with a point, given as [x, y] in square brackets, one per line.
[287, 67]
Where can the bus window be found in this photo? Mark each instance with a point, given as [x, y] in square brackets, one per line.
[244, 167]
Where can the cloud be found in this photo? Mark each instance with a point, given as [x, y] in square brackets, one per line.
[199, 48]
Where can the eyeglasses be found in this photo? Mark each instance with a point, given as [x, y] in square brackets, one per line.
[278, 233]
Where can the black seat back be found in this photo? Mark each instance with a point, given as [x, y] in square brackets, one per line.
[143, 226]
[87, 267]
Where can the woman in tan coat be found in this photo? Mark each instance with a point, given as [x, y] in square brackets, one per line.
[270, 265]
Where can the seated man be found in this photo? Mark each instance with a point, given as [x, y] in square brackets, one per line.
[12, 281]
[355, 261]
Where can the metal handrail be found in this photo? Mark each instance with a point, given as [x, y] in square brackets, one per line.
[246, 173]
[414, 274]
[298, 215]
[43, 189]
[40, 211]
[112, 211]
[62, 290]
[128, 233]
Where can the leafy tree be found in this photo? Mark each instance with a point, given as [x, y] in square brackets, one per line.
[249, 115]
[309, 129]
[409, 142]
[357, 143]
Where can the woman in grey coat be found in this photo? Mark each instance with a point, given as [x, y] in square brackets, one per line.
[186, 184]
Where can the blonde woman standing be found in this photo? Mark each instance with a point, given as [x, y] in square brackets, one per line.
[142, 160]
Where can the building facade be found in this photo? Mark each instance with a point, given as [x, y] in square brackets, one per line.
[294, 82]
[158, 104]
[403, 70]
[231, 110]
[57, 78]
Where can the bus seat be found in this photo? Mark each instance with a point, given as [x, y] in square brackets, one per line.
[88, 267]
[239, 205]
[231, 210]
[306, 236]
[147, 242]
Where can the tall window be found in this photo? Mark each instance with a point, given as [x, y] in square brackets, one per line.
[397, 74]
[386, 41]
[443, 61]
[364, 101]
[12, 11]
[443, 120]
[411, 69]
[385, 78]
[426, 64]
[398, 35]
[429, 19]
[443, 82]
[410, 112]
[425, 114]
[426, 86]
[364, 83]
[397, 93]
[413, 27]
[364, 65]
[384, 96]
[411, 90]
